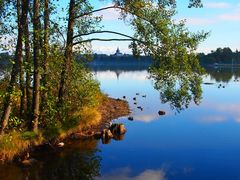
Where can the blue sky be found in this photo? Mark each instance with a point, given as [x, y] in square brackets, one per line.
[221, 18]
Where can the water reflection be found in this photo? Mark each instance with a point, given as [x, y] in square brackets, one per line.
[221, 112]
[78, 160]
[133, 84]
[178, 86]
[125, 174]
[202, 142]
[223, 74]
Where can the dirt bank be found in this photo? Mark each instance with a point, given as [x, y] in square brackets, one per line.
[110, 109]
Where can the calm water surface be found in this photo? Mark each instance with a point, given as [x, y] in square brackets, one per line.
[200, 142]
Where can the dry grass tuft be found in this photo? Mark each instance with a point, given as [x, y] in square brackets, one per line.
[15, 143]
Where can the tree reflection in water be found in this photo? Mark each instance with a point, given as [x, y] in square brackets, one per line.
[79, 160]
[178, 82]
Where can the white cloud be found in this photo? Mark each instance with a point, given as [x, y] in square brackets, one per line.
[225, 112]
[213, 119]
[106, 75]
[217, 5]
[200, 21]
[224, 17]
[109, 14]
[229, 108]
[147, 118]
[232, 16]
[124, 174]
[137, 75]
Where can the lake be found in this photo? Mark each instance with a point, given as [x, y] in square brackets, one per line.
[198, 142]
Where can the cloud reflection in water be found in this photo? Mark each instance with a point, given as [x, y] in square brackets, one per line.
[125, 174]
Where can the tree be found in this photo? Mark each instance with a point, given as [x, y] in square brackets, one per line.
[36, 59]
[68, 50]
[24, 21]
[157, 35]
[16, 66]
[28, 62]
[46, 57]
[151, 20]
[83, 24]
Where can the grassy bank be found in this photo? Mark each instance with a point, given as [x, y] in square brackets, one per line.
[16, 143]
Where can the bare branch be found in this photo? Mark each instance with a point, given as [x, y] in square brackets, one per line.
[129, 38]
[97, 10]
[99, 32]
[59, 31]
[100, 39]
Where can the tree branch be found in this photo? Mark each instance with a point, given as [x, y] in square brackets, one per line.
[129, 38]
[116, 7]
[99, 32]
[97, 10]
[59, 31]
[100, 39]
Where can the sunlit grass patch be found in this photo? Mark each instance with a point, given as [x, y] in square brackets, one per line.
[89, 117]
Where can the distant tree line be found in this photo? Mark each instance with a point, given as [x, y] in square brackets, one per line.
[221, 56]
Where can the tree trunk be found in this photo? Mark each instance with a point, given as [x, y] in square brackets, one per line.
[15, 70]
[68, 52]
[28, 70]
[25, 8]
[36, 54]
[45, 61]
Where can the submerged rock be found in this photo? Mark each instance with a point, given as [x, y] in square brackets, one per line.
[106, 141]
[107, 134]
[61, 144]
[161, 113]
[122, 129]
[28, 162]
[208, 83]
[118, 129]
[118, 137]
[130, 118]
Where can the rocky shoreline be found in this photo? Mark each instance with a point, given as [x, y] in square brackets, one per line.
[110, 109]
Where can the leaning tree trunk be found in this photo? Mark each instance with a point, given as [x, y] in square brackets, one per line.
[68, 52]
[36, 57]
[15, 70]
